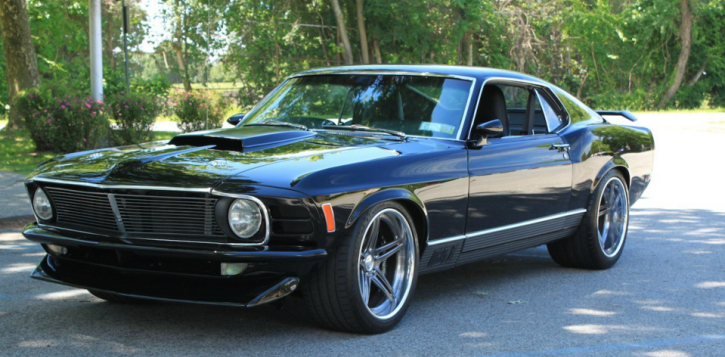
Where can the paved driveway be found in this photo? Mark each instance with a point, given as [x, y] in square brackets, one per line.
[665, 297]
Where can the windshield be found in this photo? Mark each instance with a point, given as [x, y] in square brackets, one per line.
[414, 105]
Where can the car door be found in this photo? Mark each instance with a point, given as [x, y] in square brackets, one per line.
[519, 180]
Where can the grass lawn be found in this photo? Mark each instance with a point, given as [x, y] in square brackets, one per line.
[17, 151]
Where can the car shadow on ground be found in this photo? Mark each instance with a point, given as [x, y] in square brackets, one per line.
[521, 293]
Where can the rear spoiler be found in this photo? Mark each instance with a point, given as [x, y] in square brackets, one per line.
[622, 113]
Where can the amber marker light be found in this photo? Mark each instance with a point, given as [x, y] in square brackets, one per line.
[329, 217]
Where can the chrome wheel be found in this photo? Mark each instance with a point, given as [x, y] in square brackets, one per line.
[613, 214]
[386, 263]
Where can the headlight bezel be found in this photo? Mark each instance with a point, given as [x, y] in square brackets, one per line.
[39, 215]
[221, 210]
[256, 213]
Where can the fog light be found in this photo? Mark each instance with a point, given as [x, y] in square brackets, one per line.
[229, 269]
[57, 250]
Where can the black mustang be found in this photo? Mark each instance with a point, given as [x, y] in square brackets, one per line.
[347, 183]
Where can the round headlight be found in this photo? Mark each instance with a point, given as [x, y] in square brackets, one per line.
[244, 218]
[41, 205]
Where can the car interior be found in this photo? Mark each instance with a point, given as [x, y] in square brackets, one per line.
[517, 107]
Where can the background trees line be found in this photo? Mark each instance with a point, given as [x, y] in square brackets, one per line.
[635, 54]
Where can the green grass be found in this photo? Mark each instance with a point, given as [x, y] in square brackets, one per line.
[697, 110]
[217, 86]
[164, 135]
[18, 154]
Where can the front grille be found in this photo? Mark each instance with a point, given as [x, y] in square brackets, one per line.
[143, 216]
[79, 208]
[168, 215]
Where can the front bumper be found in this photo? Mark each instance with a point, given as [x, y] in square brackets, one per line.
[173, 274]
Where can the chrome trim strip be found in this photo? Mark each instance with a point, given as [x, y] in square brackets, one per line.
[446, 240]
[117, 213]
[55, 228]
[118, 187]
[379, 72]
[263, 208]
[513, 80]
[504, 228]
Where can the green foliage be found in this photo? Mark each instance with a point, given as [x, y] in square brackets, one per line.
[134, 114]
[192, 108]
[63, 123]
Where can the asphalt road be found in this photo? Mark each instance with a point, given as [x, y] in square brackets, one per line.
[665, 297]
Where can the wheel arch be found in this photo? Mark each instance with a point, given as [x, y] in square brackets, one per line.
[409, 200]
[618, 164]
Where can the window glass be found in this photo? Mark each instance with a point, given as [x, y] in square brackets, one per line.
[577, 110]
[517, 99]
[553, 120]
[415, 105]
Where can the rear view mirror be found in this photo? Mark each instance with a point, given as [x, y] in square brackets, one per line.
[235, 119]
[489, 129]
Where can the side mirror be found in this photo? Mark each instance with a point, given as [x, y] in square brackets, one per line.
[489, 129]
[235, 119]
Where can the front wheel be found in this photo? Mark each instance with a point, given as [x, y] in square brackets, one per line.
[599, 240]
[366, 286]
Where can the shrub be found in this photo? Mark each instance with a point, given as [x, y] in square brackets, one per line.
[60, 123]
[134, 114]
[191, 109]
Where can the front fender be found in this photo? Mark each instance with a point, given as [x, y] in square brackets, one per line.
[392, 194]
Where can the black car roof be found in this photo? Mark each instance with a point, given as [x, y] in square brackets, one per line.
[479, 73]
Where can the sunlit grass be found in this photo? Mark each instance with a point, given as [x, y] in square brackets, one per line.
[18, 154]
[216, 86]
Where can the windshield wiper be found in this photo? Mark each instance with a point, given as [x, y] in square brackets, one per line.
[279, 123]
[358, 127]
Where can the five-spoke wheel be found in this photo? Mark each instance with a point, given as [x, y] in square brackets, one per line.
[612, 217]
[599, 240]
[386, 263]
[367, 283]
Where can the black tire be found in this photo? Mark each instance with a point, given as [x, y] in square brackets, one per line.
[334, 293]
[115, 298]
[583, 248]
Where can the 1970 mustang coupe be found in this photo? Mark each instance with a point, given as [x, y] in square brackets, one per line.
[345, 184]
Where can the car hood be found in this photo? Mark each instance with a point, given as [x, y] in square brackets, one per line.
[205, 159]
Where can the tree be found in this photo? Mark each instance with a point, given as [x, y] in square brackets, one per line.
[686, 42]
[340, 18]
[363, 34]
[22, 67]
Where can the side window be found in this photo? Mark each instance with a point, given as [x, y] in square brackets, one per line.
[517, 99]
[551, 117]
[577, 110]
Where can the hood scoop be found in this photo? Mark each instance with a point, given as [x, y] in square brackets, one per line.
[243, 138]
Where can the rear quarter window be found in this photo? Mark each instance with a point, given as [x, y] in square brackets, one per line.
[577, 110]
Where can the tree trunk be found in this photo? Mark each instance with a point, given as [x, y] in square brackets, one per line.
[697, 75]
[470, 49]
[21, 65]
[363, 34]
[376, 50]
[343, 31]
[686, 39]
[108, 9]
[182, 66]
[178, 46]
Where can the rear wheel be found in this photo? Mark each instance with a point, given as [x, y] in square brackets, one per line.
[600, 238]
[367, 284]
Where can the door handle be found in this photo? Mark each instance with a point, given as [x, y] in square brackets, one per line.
[560, 147]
